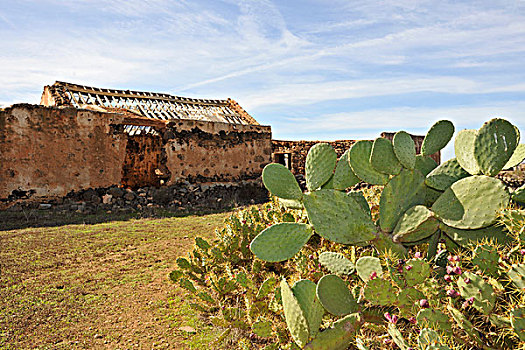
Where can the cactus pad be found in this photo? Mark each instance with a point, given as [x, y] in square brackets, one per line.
[334, 295]
[416, 271]
[266, 287]
[366, 265]
[517, 157]
[291, 203]
[281, 182]
[262, 328]
[494, 145]
[483, 293]
[407, 300]
[336, 263]
[338, 217]
[339, 336]
[405, 149]
[319, 165]
[294, 315]
[425, 164]
[445, 175]
[437, 137]
[427, 337]
[516, 274]
[486, 257]
[361, 200]
[517, 321]
[433, 318]
[397, 337]
[416, 224]
[305, 293]
[472, 202]
[383, 158]
[519, 195]
[464, 148]
[464, 323]
[380, 292]
[385, 245]
[344, 177]
[280, 241]
[402, 192]
[466, 237]
[360, 162]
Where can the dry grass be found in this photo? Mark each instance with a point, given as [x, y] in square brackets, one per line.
[99, 286]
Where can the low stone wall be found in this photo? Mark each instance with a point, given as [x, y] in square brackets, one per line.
[180, 197]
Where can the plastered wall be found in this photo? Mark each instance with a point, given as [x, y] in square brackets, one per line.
[52, 151]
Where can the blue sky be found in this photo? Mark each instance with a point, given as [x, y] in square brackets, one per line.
[311, 69]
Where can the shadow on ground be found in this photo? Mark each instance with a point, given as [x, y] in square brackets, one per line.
[28, 218]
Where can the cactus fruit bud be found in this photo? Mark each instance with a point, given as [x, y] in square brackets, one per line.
[452, 293]
[391, 318]
[424, 303]
[373, 275]
[448, 278]
[522, 251]
[417, 255]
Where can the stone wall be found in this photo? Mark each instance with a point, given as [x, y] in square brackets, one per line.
[51, 151]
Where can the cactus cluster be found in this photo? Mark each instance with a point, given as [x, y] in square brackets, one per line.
[421, 204]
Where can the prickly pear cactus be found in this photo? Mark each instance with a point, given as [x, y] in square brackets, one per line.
[320, 164]
[473, 286]
[445, 175]
[516, 274]
[339, 336]
[463, 322]
[336, 263]
[305, 293]
[434, 318]
[281, 241]
[369, 267]
[383, 158]
[405, 149]
[380, 292]
[334, 295]
[360, 162]
[281, 182]
[486, 257]
[517, 321]
[416, 271]
[416, 224]
[464, 148]
[344, 177]
[437, 137]
[294, 315]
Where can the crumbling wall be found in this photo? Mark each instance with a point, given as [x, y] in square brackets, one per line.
[200, 151]
[50, 151]
[143, 163]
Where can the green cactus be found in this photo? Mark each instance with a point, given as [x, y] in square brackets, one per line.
[471, 285]
[383, 158]
[464, 323]
[464, 238]
[266, 287]
[262, 328]
[367, 266]
[401, 193]
[405, 149]
[344, 177]
[495, 143]
[517, 321]
[305, 293]
[334, 295]
[417, 223]
[461, 206]
[427, 337]
[294, 315]
[280, 241]
[397, 337]
[516, 274]
[517, 157]
[319, 166]
[339, 336]
[360, 163]
[445, 175]
[425, 164]
[281, 182]
[361, 200]
[381, 292]
[519, 195]
[407, 301]
[464, 148]
[433, 318]
[416, 271]
[336, 263]
[437, 137]
[338, 217]
[486, 257]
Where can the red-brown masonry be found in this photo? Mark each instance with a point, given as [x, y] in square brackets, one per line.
[51, 151]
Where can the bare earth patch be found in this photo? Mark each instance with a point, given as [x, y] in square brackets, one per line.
[99, 286]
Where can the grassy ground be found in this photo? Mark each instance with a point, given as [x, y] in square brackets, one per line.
[102, 285]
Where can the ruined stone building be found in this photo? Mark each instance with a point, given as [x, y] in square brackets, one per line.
[83, 137]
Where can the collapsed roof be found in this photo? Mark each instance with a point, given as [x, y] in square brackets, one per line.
[146, 104]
